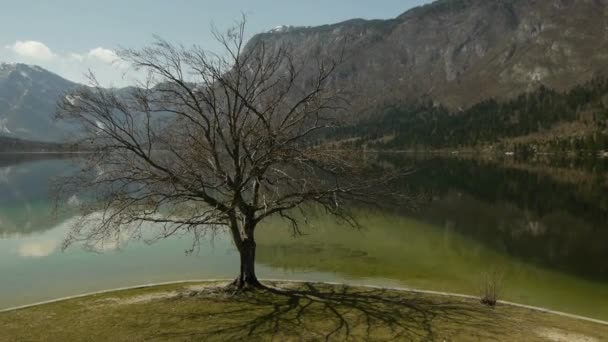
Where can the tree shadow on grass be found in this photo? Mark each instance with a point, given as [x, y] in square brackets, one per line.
[327, 313]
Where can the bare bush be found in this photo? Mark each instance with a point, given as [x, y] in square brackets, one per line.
[491, 287]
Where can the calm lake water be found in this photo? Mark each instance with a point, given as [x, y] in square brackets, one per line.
[542, 226]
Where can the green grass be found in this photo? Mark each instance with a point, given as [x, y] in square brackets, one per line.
[297, 312]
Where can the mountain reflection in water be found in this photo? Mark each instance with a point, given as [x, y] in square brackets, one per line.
[544, 226]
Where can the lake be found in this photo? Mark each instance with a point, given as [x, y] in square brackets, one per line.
[542, 225]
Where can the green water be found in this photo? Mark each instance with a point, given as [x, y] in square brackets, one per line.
[420, 255]
[544, 231]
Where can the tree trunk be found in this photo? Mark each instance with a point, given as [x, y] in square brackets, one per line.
[247, 278]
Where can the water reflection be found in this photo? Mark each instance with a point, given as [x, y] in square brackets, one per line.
[25, 192]
[537, 217]
[38, 249]
[5, 173]
[544, 227]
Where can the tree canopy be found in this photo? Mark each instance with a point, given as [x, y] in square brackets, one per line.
[213, 141]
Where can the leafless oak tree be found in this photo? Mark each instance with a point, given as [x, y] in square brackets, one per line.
[214, 141]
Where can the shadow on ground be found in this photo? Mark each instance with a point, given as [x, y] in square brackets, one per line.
[326, 313]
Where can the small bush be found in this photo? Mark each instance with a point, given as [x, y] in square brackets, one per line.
[491, 287]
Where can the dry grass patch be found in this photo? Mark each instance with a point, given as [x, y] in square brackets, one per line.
[288, 312]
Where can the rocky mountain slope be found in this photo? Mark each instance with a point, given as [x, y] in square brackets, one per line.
[459, 52]
[456, 53]
[28, 96]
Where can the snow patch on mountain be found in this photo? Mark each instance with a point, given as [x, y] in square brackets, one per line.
[285, 28]
[5, 65]
[281, 28]
[70, 99]
[28, 99]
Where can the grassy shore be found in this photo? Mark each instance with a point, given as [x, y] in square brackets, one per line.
[291, 312]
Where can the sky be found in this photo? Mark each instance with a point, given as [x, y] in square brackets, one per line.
[70, 37]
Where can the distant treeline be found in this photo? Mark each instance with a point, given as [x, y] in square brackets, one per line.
[18, 145]
[425, 125]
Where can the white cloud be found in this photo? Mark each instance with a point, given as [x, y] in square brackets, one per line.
[76, 57]
[109, 69]
[104, 55]
[32, 49]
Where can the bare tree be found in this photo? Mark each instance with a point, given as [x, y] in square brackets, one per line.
[214, 141]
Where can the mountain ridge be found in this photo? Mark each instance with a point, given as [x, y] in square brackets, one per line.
[451, 53]
[460, 52]
[28, 96]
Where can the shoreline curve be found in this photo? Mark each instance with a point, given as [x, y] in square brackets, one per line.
[403, 289]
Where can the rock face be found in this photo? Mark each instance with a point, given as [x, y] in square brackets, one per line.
[458, 52]
[28, 96]
[454, 52]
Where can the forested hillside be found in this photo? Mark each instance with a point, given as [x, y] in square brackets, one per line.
[541, 120]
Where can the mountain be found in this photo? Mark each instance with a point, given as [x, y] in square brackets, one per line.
[540, 121]
[460, 52]
[454, 55]
[28, 96]
[9, 145]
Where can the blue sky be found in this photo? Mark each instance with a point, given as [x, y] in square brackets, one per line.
[71, 36]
